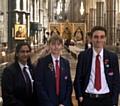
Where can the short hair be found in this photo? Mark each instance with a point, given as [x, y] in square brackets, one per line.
[55, 38]
[95, 28]
[18, 47]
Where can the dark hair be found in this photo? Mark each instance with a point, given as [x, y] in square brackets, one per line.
[55, 37]
[18, 47]
[95, 28]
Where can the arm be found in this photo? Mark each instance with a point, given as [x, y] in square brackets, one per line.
[7, 84]
[78, 78]
[40, 82]
[67, 101]
[116, 81]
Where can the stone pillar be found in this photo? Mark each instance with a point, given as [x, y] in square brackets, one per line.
[24, 18]
[118, 28]
[111, 21]
[28, 5]
[31, 12]
[71, 11]
[16, 17]
[87, 22]
[100, 13]
[24, 5]
[92, 18]
[17, 4]
[50, 10]
[28, 26]
[41, 21]
[34, 11]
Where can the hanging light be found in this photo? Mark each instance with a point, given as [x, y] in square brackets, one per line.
[81, 8]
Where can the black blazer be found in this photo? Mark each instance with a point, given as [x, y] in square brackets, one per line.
[14, 86]
[45, 82]
[111, 69]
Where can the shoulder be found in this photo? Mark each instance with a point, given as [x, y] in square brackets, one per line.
[9, 69]
[62, 58]
[108, 52]
[86, 52]
[45, 58]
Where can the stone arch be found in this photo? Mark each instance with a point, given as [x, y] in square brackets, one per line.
[54, 31]
[66, 31]
[78, 35]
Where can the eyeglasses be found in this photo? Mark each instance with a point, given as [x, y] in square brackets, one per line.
[23, 51]
[101, 37]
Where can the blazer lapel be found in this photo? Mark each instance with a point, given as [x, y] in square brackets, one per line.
[88, 61]
[50, 66]
[106, 60]
[19, 73]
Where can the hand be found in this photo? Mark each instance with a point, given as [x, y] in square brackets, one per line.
[60, 105]
[80, 99]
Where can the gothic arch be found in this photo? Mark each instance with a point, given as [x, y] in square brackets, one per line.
[54, 31]
[78, 34]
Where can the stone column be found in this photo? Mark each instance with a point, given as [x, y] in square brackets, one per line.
[28, 26]
[111, 21]
[118, 27]
[28, 5]
[92, 18]
[87, 22]
[16, 17]
[24, 5]
[100, 13]
[24, 18]
[17, 4]
[34, 11]
[41, 21]
[31, 12]
[50, 10]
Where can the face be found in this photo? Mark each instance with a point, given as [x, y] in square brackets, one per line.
[23, 54]
[55, 47]
[98, 39]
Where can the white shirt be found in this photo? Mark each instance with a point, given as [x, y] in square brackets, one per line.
[27, 69]
[90, 87]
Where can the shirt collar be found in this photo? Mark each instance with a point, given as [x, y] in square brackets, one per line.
[95, 54]
[22, 66]
[53, 58]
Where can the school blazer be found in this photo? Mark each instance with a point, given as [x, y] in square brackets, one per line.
[46, 85]
[14, 87]
[83, 71]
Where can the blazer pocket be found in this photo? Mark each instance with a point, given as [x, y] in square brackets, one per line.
[110, 72]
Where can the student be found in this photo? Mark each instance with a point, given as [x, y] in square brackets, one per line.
[17, 79]
[97, 73]
[53, 81]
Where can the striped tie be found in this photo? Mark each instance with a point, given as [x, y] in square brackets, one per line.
[28, 83]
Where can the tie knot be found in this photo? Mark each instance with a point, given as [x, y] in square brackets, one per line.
[97, 55]
[56, 61]
[24, 68]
